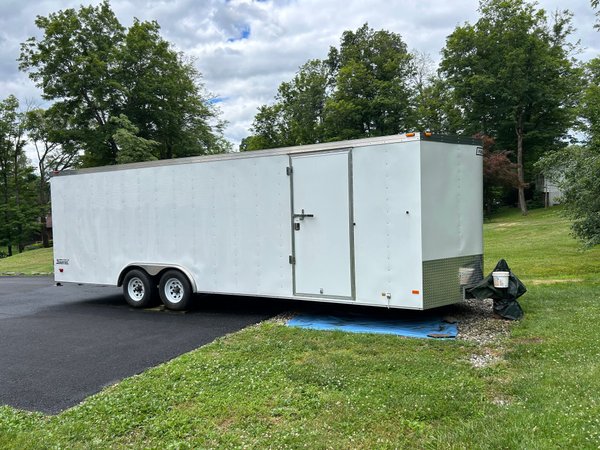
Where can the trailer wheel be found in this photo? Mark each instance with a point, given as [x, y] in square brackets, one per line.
[138, 289]
[175, 290]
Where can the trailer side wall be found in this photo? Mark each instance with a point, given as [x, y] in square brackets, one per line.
[387, 214]
[176, 215]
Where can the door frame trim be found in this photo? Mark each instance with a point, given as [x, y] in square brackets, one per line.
[348, 152]
[351, 224]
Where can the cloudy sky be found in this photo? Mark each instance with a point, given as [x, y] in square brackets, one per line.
[245, 48]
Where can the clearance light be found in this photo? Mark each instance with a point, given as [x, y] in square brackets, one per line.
[415, 291]
[61, 270]
[427, 133]
[410, 134]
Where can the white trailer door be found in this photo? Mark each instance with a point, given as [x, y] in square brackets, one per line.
[322, 224]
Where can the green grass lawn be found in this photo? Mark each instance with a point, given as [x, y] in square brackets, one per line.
[31, 262]
[538, 247]
[270, 386]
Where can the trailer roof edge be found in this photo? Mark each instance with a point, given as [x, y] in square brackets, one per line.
[324, 146]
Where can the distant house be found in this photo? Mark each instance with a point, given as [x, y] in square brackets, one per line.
[49, 225]
[549, 189]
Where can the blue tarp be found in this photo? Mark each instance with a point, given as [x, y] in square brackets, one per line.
[418, 328]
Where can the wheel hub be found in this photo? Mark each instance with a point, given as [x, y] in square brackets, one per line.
[135, 288]
[174, 290]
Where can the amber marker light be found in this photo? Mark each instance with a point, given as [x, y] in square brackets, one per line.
[415, 291]
[410, 134]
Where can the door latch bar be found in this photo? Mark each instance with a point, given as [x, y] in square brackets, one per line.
[302, 215]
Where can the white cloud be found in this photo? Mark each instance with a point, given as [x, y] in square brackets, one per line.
[282, 36]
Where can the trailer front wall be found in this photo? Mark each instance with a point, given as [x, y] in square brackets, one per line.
[452, 205]
[176, 215]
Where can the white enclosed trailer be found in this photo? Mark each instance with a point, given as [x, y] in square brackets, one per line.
[392, 221]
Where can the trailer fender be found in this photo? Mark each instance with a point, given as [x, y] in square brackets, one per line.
[154, 269]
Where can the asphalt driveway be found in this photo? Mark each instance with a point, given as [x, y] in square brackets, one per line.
[59, 345]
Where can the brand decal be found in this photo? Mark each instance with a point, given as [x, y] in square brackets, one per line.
[62, 261]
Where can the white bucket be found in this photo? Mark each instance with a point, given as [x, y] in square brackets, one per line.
[500, 279]
[465, 274]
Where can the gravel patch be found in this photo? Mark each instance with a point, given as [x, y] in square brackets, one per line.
[487, 358]
[500, 401]
[283, 318]
[476, 322]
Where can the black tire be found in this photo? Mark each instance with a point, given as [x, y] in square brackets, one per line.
[175, 290]
[139, 289]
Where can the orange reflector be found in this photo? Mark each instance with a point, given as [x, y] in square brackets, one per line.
[410, 134]
[415, 291]
[428, 133]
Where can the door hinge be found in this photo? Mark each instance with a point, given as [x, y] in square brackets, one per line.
[292, 259]
[288, 171]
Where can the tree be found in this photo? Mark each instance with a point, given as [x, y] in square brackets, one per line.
[372, 91]
[361, 89]
[269, 129]
[590, 104]
[513, 78]
[164, 97]
[8, 115]
[498, 173]
[55, 153]
[297, 116]
[303, 102]
[576, 169]
[132, 148]
[94, 70]
[435, 109]
[18, 208]
[74, 64]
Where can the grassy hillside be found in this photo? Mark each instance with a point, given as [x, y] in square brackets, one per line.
[32, 262]
[270, 386]
[538, 247]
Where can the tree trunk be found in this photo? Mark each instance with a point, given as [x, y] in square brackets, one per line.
[44, 232]
[43, 202]
[20, 245]
[6, 208]
[114, 149]
[520, 171]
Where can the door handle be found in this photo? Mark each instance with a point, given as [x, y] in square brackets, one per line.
[302, 215]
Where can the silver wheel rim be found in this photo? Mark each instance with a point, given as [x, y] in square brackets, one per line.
[174, 290]
[135, 289]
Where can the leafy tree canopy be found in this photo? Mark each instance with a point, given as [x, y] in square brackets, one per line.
[18, 207]
[576, 169]
[513, 78]
[361, 89]
[590, 104]
[54, 151]
[372, 93]
[96, 70]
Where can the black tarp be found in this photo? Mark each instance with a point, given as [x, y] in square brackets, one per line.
[505, 299]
